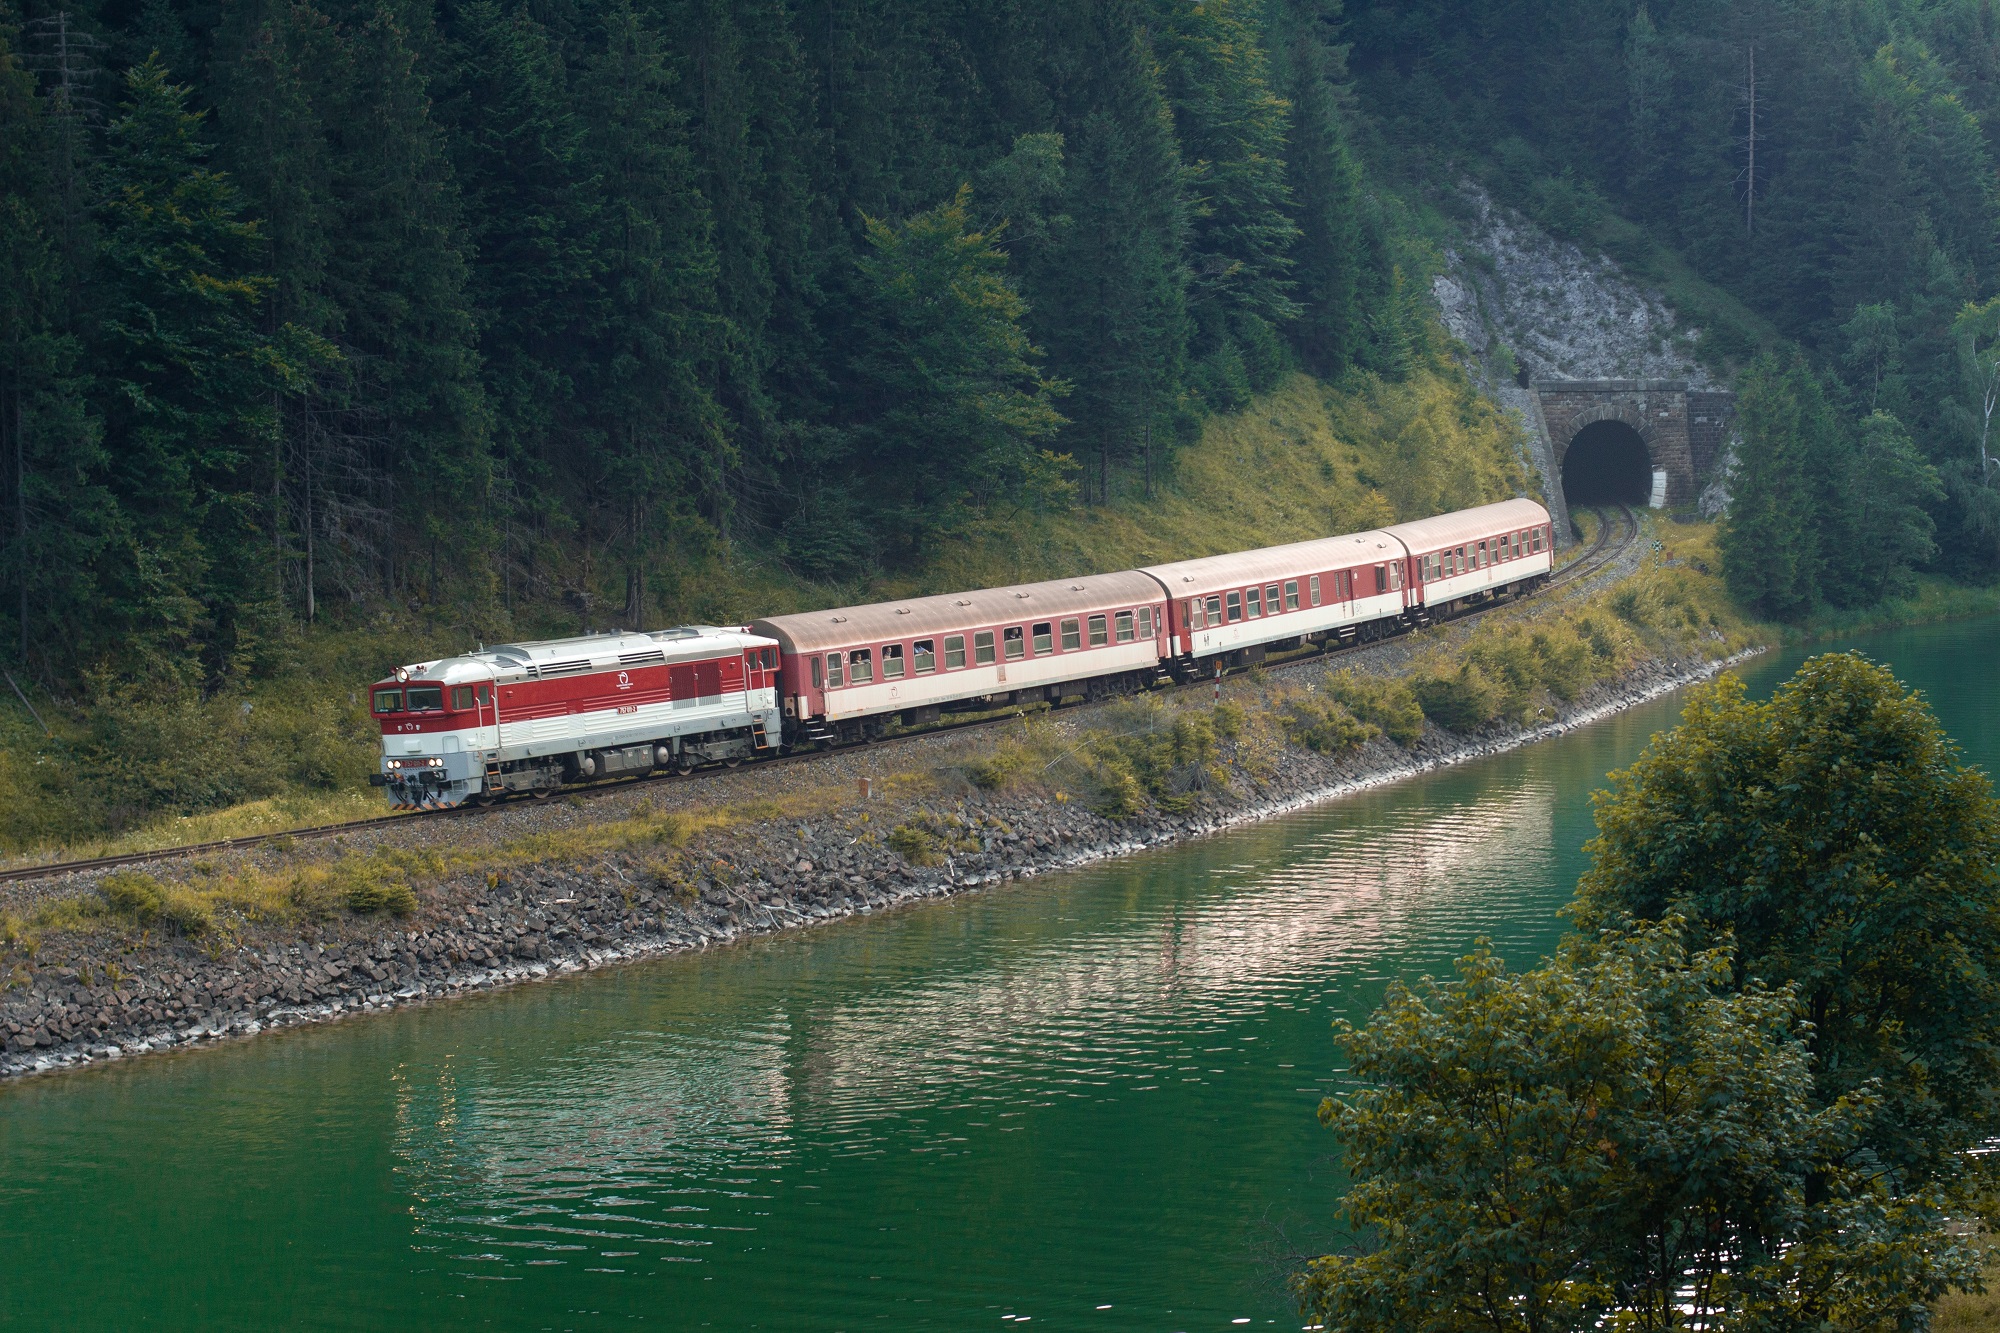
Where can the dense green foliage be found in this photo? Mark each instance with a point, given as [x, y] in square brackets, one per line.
[1742, 1095]
[1856, 213]
[485, 307]
[1832, 834]
[1616, 1139]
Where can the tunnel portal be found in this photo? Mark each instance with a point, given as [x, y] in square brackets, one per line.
[1607, 463]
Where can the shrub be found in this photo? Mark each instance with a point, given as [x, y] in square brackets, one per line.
[1460, 700]
[925, 839]
[149, 902]
[1324, 725]
[1387, 704]
[1169, 762]
[1002, 766]
[392, 896]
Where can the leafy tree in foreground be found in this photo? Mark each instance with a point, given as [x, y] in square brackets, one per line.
[1618, 1139]
[1832, 833]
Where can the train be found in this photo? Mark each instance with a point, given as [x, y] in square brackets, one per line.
[532, 718]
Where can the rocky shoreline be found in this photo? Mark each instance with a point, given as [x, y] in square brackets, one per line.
[89, 999]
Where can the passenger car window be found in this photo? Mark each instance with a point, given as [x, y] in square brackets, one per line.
[892, 661]
[954, 652]
[1014, 641]
[1146, 622]
[1254, 602]
[1214, 611]
[1292, 595]
[925, 654]
[1124, 627]
[1072, 635]
[982, 648]
[819, 676]
[1312, 589]
[834, 678]
[1271, 599]
[425, 698]
[1098, 638]
[1044, 638]
[1195, 617]
[1235, 600]
[388, 701]
[861, 666]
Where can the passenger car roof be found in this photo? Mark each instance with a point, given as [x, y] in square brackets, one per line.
[958, 612]
[1468, 525]
[1189, 578]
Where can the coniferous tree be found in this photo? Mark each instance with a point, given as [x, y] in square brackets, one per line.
[1113, 300]
[177, 333]
[1769, 548]
[1330, 251]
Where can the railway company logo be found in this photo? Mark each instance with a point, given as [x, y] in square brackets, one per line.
[624, 680]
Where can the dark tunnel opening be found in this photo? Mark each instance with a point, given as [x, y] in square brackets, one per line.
[1607, 464]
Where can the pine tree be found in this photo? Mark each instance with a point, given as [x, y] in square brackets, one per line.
[1112, 301]
[1230, 128]
[190, 374]
[1330, 251]
[658, 336]
[1769, 543]
[952, 409]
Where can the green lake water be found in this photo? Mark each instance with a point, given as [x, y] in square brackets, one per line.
[1085, 1101]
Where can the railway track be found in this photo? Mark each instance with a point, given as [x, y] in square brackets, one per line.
[1601, 552]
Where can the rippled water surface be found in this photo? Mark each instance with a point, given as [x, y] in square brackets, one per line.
[1085, 1101]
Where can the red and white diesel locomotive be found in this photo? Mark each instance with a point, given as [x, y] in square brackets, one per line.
[531, 717]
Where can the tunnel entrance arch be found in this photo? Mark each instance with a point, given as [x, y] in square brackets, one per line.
[1607, 462]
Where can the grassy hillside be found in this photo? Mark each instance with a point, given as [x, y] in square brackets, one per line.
[137, 769]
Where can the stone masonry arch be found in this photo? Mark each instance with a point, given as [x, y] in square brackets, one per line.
[1682, 429]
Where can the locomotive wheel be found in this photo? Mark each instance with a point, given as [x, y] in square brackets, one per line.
[543, 793]
[734, 761]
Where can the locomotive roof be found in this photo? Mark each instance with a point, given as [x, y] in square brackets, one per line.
[1468, 525]
[810, 631]
[590, 652]
[1185, 578]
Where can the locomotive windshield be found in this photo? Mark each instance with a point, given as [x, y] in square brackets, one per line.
[424, 698]
[388, 701]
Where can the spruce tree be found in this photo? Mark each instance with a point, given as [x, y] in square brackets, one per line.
[190, 374]
[1769, 543]
[1330, 251]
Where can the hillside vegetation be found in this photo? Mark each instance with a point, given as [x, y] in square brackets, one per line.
[292, 745]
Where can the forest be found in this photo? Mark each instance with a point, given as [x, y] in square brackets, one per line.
[488, 305]
[486, 319]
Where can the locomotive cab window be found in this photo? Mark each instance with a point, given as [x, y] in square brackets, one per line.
[1124, 625]
[982, 648]
[1072, 635]
[1312, 589]
[426, 698]
[923, 654]
[1045, 638]
[461, 698]
[892, 661]
[835, 676]
[1098, 635]
[861, 665]
[954, 652]
[770, 659]
[388, 701]
[1015, 643]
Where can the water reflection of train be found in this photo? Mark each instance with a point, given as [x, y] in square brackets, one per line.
[532, 717]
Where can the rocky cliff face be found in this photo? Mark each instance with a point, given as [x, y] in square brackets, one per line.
[1530, 307]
